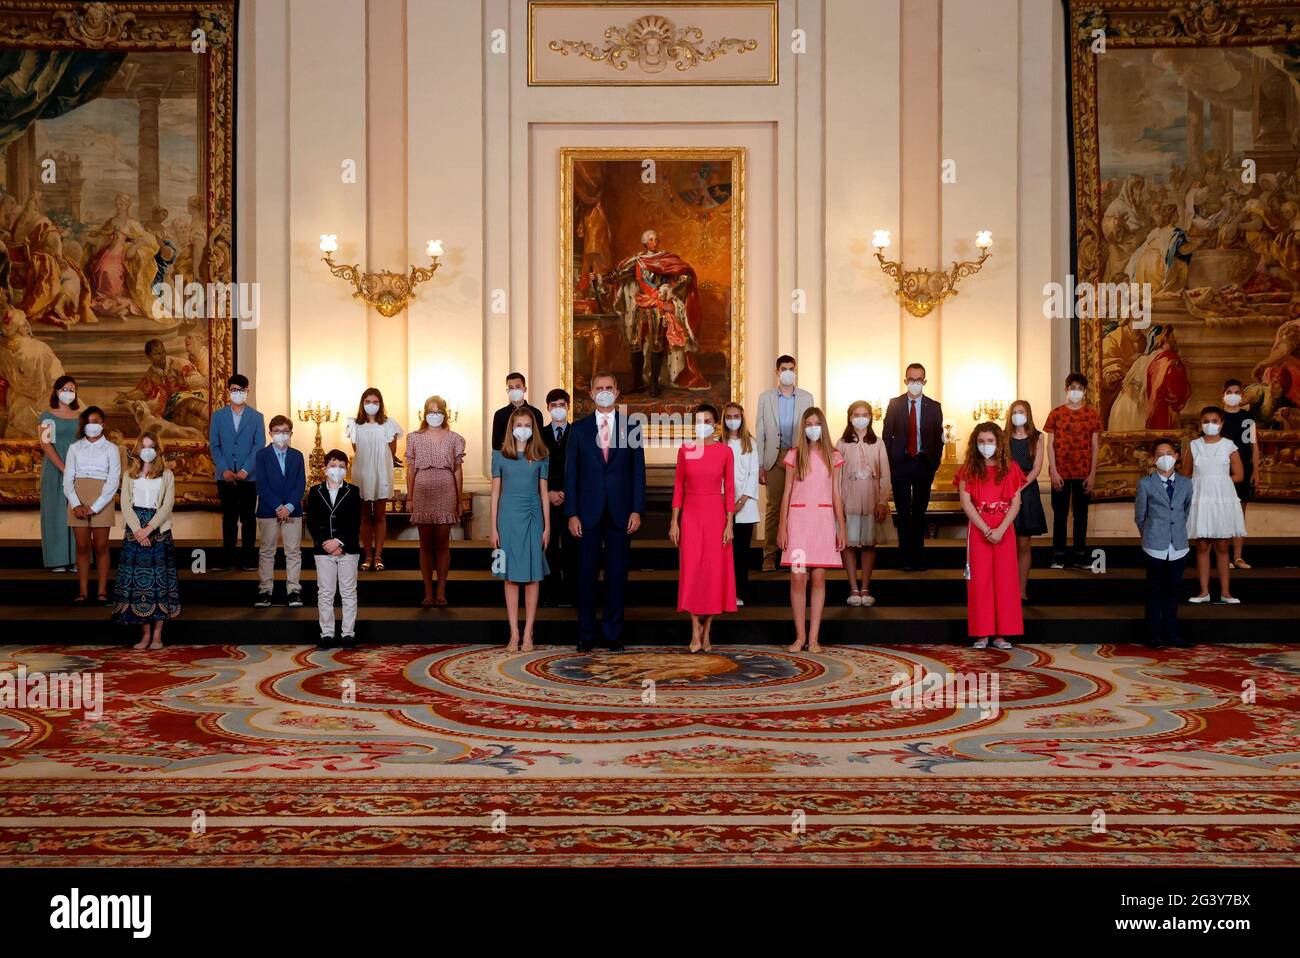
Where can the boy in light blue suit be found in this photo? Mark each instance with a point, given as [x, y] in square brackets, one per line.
[1160, 508]
[235, 435]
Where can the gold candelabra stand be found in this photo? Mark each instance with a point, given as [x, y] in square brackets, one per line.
[989, 410]
[318, 413]
[877, 410]
[921, 290]
[386, 291]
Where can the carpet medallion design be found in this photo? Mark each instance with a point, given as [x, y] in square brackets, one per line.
[1080, 754]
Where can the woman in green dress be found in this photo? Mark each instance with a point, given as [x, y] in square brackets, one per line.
[58, 430]
[521, 522]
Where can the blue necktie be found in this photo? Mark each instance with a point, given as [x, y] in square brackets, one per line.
[1169, 490]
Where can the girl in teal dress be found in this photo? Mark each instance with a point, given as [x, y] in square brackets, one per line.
[521, 522]
[58, 549]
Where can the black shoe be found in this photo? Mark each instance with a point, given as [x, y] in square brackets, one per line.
[1180, 642]
[1058, 562]
[348, 642]
[326, 642]
[263, 601]
[295, 600]
[586, 646]
[614, 646]
[1155, 643]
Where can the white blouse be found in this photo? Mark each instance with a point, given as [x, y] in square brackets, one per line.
[100, 459]
[746, 480]
[146, 492]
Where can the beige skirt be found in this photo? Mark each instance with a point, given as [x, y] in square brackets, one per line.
[88, 490]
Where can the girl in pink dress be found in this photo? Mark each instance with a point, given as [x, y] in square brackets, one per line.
[812, 521]
[434, 455]
[704, 504]
[990, 482]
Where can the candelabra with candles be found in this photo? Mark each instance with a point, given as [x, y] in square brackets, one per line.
[921, 290]
[386, 291]
[989, 410]
[453, 413]
[318, 413]
[877, 410]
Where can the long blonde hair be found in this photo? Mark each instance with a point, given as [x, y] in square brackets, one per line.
[138, 465]
[746, 440]
[432, 404]
[803, 454]
[536, 449]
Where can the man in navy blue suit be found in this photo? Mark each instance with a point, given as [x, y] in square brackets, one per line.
[604, 497]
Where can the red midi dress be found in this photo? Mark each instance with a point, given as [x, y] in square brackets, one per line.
[993, 589]
[703, 488]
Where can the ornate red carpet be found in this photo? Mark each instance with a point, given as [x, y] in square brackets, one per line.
[263, 755]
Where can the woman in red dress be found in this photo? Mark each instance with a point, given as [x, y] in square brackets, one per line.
[990, 482]
[704, 503]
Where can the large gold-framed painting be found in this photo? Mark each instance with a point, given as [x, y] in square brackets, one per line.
[1186, 135]
[117, 137]
[652, 277]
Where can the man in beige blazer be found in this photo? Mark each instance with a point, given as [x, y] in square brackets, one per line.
[779, 413]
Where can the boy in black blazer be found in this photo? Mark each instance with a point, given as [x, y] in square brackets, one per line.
[334, 521]
[559, 588]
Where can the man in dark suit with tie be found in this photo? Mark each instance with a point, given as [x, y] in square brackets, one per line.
[604, 497]
[559, 587]
[913, 436]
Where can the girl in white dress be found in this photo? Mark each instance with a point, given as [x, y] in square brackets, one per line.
[374, 440]
[745, 460]
[1216, 515]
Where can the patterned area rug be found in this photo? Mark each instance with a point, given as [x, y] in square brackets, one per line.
[456, 755]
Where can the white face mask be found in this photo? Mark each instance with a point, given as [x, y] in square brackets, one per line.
[734, 424]
[988, 449]
[814, 433]
[1165, 463]
[371, 408]
[336, 473]
[523, 433]
[1019, 419]
[238, 397]
[516, 395]
[915, 388]
[148, 454]
[434, 419]
[605, 398]
[280, 438]
[67, 397]
[861, 422]
[1074, 395]
[1210, 428]
[703, 430]
[787, 377]
[93, 429]
[1229, 399]
[559, 413]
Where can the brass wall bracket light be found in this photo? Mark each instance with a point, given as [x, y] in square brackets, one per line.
[386, 291]
[921, 290]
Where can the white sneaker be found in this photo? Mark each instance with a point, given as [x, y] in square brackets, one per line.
[1199, 599]
[1229, 600]
[868, 599]
[854, 599]
[739, 603]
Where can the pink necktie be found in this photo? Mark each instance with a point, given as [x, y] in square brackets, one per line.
[604, 439]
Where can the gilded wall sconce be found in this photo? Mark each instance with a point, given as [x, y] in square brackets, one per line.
[921, 290]
[386, 291]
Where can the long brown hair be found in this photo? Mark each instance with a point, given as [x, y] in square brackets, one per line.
[138, 464]
[803, 454]
[431, 404]
[746, 440]
[1031, 431]
[973, 469]
[536, 449]
[362, 416]
[850, 433]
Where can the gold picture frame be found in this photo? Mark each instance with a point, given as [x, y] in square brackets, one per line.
[625, 42]
[153, 28]
[1152, 25]
[669, 421]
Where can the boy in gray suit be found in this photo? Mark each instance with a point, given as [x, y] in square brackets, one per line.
[1164, 498]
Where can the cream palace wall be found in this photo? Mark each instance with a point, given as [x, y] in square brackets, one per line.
[450, 142]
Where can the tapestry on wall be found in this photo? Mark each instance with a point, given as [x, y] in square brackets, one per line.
[1186, 135]
[652, 277]
[116, 224]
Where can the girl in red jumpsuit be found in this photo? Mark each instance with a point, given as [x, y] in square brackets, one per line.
[990, 482]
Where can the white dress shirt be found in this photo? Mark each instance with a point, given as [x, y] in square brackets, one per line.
[146, 492]
[745, 480]
[100, 459]
[603, 419]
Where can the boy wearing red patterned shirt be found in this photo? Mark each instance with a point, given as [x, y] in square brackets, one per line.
[1073, 430]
